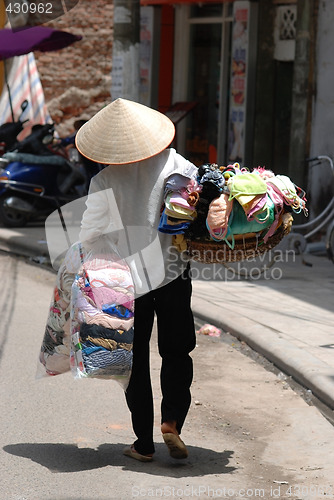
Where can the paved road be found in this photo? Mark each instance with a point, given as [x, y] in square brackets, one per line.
[248, 433]
[287, 314]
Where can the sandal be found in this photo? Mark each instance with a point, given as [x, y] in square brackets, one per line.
[130, 451]
[175, 445]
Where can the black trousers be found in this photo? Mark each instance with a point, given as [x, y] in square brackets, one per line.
[176, 339]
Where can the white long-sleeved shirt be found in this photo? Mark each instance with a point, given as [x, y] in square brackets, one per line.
[124, 202]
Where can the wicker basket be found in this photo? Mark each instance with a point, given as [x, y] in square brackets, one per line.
[211, 252]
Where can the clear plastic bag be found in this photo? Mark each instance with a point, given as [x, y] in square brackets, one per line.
[54, 356]
[94, 327]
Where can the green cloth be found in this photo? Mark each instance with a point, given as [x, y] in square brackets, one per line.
[238, 223]
[245, 187]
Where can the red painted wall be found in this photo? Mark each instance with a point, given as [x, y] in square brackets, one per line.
[166, 58]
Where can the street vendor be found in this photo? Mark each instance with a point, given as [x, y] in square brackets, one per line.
[125, 202]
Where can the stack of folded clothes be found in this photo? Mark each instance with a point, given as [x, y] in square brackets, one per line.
[102, 317]
[178, 213]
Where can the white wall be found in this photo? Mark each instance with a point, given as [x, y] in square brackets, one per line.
[322, 138]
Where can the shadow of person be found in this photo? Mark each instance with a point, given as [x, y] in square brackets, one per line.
[60, 458]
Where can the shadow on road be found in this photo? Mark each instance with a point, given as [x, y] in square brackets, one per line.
[60, 458]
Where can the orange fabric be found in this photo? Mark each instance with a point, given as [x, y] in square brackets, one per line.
[219, 212]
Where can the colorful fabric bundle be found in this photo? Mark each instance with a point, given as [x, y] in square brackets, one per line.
[283, 186]
[234, 201]
[218, 216]
[102, 317]
[239, 224]
[246, 188]
[90, 323]
[178, 214]
[283, 193]
[54, 356]
[211, 183]
[178, 207]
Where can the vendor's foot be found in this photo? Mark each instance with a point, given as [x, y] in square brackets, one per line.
[130, 451]
[175, 445]
[167, 427]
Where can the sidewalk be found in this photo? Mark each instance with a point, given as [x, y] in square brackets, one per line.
[287, 315]
[288, 318]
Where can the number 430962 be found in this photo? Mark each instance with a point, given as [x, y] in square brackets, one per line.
[29, 8]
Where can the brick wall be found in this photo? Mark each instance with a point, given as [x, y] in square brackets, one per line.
[76, 80]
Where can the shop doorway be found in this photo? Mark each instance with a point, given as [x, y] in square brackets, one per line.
[202, 75]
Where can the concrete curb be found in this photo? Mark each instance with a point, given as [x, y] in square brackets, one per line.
[19, 243]
[308, 370]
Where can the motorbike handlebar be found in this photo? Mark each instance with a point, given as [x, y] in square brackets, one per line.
[34, 142]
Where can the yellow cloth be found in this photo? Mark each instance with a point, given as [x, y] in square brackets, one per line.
[179, 242]
[179, 215]
[245, 187]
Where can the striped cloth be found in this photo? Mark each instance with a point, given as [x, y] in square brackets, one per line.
[102, 362]
[24, 83]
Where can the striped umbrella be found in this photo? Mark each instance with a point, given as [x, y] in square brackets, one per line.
[22, 79]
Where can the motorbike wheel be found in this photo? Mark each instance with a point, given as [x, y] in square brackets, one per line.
[10, 218]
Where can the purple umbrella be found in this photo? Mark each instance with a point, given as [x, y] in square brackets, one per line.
[40, 38]
[30, 39]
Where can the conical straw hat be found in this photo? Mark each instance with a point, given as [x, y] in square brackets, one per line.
[124, 132]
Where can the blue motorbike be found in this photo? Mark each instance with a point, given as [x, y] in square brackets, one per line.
[35, 180]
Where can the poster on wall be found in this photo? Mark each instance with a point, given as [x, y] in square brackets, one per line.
[239, 69]
[145, 54]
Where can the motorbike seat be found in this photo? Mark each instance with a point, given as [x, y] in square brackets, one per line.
[73, 175]
[35, 159]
